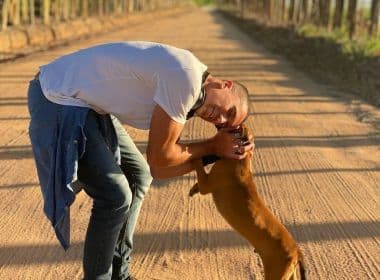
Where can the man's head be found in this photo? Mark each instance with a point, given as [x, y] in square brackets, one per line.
[226, 103]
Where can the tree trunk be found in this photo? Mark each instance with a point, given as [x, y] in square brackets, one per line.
[268, 7]
[25, 11]
[314, 14]
[324, 9]
[291, 11]
[338, 14]
[46, 12]
[56, 8]
[100, 7]
[131, 6]
[84, 8]
[351, 17]
[304, 10]
[276, 11]
[374, 24]
[241, 7]
[14, 10]
[283, 10]
[297, 11]
[4, 14]
[32, 11]
[74, 9]
[66, 9]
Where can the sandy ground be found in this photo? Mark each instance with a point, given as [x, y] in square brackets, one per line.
[317, 164]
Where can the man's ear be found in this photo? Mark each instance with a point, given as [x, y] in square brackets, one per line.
[227, 84]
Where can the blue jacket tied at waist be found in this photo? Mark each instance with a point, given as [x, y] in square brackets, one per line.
[58, 142]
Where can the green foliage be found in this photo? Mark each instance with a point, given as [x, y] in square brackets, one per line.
[309, 29]
[372, 47]
[360, 48]
[204, 2]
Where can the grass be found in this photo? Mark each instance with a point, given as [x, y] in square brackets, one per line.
[360, 47]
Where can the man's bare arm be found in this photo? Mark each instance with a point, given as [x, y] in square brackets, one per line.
[172, 171]
[164, 150]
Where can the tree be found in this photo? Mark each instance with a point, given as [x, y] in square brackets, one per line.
[314, 11]
[304, 10]
[46, 11]
[268, 7]
[291, 15]
[351, 17]
[84, 8]
[338, 14]
[4, 14]
[374, 24]
[324, 12]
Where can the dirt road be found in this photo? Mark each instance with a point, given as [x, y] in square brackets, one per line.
[317, 164]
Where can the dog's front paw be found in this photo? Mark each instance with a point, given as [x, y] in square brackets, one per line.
[194, 190]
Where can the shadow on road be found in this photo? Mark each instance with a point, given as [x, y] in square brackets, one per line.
[148, 243]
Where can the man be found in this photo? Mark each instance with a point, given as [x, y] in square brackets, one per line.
[76, 103]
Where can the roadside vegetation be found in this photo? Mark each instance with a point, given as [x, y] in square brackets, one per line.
[204, 2]
[337, 41]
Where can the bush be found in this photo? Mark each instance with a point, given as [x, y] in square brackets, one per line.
[204, 2]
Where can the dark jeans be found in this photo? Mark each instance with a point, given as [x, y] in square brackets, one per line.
[117, 192]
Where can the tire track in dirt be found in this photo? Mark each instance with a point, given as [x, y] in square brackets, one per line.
[339, 214]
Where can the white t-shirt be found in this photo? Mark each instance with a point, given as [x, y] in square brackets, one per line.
[126, 79]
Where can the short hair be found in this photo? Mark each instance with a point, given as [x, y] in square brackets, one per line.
[240, 91]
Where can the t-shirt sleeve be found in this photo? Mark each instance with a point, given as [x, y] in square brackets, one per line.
[176, 93]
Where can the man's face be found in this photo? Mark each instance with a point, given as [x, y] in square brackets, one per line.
[221, 107]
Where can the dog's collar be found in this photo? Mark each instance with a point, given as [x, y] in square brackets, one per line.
[201, 99]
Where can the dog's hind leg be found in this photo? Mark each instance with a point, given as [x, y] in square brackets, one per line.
[300, 271]
[295, 272]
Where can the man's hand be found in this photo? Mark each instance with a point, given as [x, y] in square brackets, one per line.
[228, 143]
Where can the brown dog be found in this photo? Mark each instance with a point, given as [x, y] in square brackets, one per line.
[235, 195]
